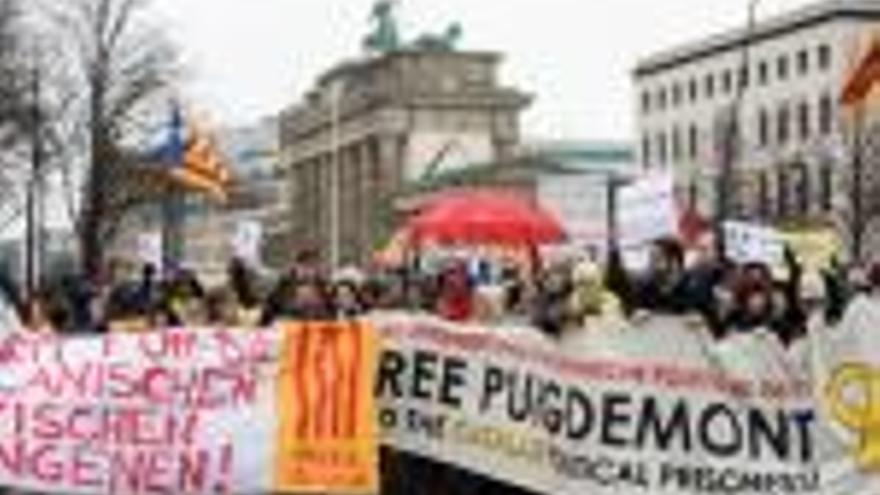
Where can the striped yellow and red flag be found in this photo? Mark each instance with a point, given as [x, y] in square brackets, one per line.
[203, 168]
[866, 73]
[327, 438]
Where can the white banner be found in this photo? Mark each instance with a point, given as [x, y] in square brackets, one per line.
[845, 363]
[149, 248]
[661, 417]
[646, 210]
[748, 243]
[247, 241]
[189, 412]
[652, 407]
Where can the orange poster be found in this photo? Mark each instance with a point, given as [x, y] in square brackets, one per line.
[327, 438]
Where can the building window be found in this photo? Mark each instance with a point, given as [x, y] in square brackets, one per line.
[744, 77]
[804, 120]
[662, 147]
[676, 145]
[727, 81]
[826, 188]
[646, 102]
[824, 57]
[693, 142]
[782, 68]
[763, 128]
[692, 90]
[661, 98]
[826, 113]
[803, 62]
[803, 191]
[646, 151]
[676, 95]
[710, 86]
[782, 130]
[763, 195]
[693, 194]
[763, 74]
[782, 193]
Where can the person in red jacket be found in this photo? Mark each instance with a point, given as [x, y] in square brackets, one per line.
[455, 299]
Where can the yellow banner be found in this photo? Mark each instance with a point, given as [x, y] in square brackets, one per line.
[327, 438]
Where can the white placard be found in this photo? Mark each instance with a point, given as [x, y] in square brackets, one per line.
[246, 240]
[749, 243]
[646, 210]
[149, 248]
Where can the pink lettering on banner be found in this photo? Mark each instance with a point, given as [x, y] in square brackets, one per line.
[126, 413]
[202, 387]
[118, 470]
[169, 345]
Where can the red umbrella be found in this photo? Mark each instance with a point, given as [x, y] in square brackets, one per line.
[483, 217]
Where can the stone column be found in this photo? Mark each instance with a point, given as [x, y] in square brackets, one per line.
[390, 158]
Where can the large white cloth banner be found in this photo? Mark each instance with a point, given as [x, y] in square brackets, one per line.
[560, 424]
[653, 406]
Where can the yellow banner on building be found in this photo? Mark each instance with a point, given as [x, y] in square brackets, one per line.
[327, 440]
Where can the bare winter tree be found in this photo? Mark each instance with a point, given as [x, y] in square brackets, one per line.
[14, 110]
[120, 68]
[859, 210]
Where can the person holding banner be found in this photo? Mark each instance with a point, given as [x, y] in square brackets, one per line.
[455, 301]
[348, 300]
[10, 317]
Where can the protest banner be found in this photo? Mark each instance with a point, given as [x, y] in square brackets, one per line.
[555, 423]
[653, 408]
[327, 432]
[846, 365]
[180, 411]
[750, 243]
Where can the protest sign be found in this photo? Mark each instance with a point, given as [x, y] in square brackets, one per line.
[246, 240]
[750, 243]
[651, 408]
[846, 365]
[327, 437]
[561, 424]
[149, 248]
[646, 211]
[182, 411]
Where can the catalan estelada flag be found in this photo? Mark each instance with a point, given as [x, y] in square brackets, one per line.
[327, 439]
[864, 76]
[194, 160]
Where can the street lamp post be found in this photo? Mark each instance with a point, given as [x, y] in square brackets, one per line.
[857, 191]
[732, 140]
[34, 214]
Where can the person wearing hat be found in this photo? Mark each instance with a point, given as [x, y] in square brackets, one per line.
[592, 304]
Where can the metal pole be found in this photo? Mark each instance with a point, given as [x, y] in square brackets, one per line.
[857, 191]
[34, 213]
[611, 186]
[732, 141]
[335, 212]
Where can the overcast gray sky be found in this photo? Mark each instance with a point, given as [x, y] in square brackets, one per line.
[249, 58]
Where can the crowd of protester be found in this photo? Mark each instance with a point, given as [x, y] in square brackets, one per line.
[557, 299]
